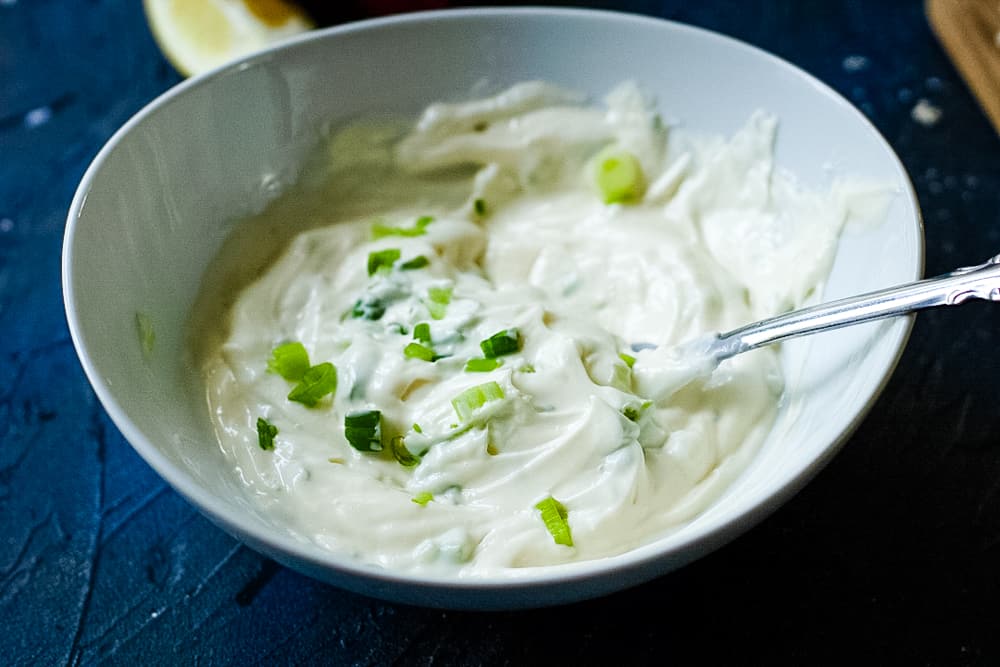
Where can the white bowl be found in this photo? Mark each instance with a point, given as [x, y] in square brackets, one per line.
[158, 200]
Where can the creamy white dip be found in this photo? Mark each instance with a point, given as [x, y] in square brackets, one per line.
[521, 238]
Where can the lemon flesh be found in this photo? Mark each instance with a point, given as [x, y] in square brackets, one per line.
[198, 35]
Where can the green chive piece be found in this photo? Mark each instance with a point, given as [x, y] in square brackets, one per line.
[621, 378]
[316, 383]
[619, 176]
[363, 430]
[368, 308]
[473, 398]
[401, 453]
[147, 336]
[289, 360]
[632, 413]
[555, 516]
[418, 351]
[439, 298]
[265, 434]
[423, 498]
[382, 260]
[482, 365]
[628, 359]
[417, 429]
[417, 262]
[419, 228]
[479, 206]
[503, 342]
[422, 332]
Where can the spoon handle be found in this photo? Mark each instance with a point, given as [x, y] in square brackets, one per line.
[950, 289]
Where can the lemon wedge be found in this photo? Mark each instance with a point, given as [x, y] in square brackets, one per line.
[197, 35]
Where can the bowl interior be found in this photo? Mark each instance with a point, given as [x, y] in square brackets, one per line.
[163, 194]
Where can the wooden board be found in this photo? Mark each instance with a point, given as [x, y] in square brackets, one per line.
[969, 30]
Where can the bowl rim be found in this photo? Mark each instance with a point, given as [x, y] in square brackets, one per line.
[642, 560]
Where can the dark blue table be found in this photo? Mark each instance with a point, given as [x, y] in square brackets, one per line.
[891, 555]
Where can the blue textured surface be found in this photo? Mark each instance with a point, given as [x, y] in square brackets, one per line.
[891, 555]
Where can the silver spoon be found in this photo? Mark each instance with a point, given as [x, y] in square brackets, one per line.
[950, 289]
[698, 358]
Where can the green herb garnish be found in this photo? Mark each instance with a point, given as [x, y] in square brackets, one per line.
[555, 516]
[479, 206]
[417, 262]
[289, 360]
[417, 429]
[382, 260]
[503, 342]
[473, 398]
[632, 413]
[423, 498]
[482, 365]
[619, 176]
[418, 351]
[438, 300]
[363, 430]
[265, 433]
[147, 336]
[316, 383]
[401, 453]
[368, 308]
[627, 358]
[422, 332]
[419, 228]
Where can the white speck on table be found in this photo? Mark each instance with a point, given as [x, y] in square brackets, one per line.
[926, 113]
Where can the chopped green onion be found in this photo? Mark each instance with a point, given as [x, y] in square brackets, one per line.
[363, 430]
[527, 368]
[473, 398]
[401, 453]
[417, 429]
[316, 383]
[368, 308]
[628, 359]
[621, 378]
[417, 262]
[439, 298]
[632, 413]
[479, 206]
[555, 516]
[619, 176]
[382, 260]
[501, 343]
[290, 361]
[482, 365]
[265, 433]
[419, 228]
[423, 498]
[147, 336]
[440, 295]
[418, 351]
[422, 332]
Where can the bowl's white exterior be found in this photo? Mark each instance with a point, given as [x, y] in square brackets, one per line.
[160, 197]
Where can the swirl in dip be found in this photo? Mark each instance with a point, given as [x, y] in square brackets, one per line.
[473, 318]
